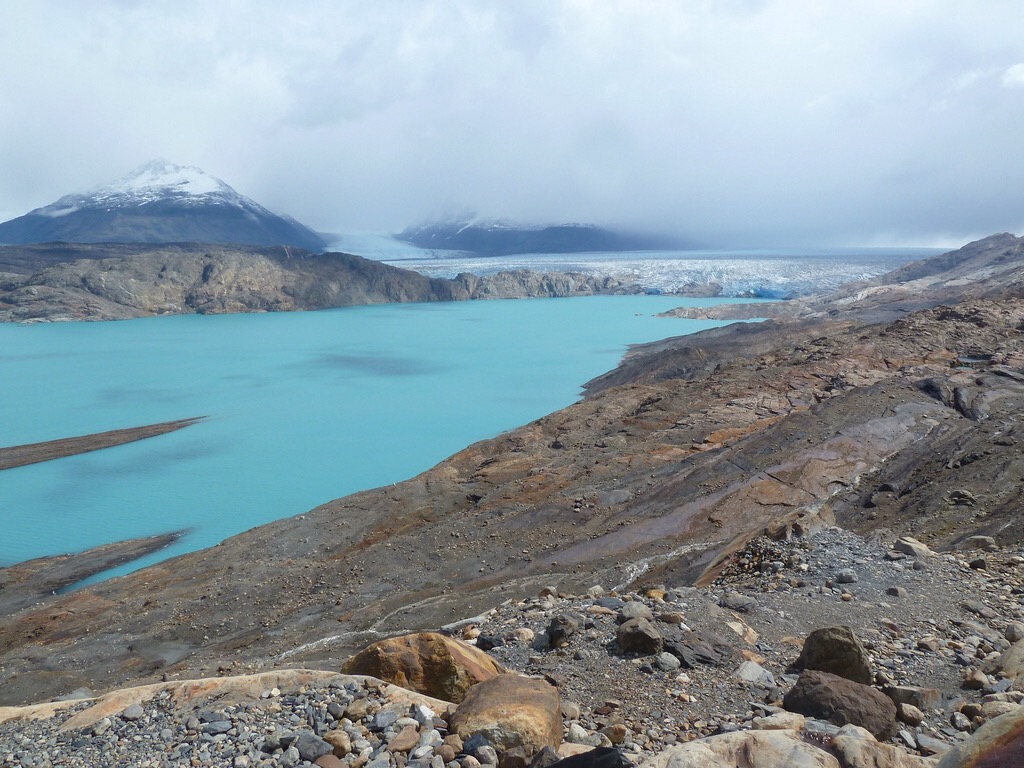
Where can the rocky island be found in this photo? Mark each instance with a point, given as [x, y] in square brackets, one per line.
[796, 542]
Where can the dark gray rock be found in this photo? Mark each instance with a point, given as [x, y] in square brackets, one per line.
[838, 651]
[311, 746]
[737, 602]
[560, 630]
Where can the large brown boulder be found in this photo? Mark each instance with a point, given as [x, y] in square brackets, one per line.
[426, 662]
[754, 749]
[838, 651]
[997, 744]
[639, 636]
[842, 701]
[511, 711]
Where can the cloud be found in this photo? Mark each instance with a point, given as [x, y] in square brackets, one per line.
[759, 121]
[1013, 77]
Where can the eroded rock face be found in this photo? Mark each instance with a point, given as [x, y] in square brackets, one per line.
[427, 663]
[511, 711]
[997, 744]
[838, 651]
[842, 701]
[141, 280]
[755, 749]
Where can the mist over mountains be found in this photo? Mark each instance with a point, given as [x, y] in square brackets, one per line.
[502, 238]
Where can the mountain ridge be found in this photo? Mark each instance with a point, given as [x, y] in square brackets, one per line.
[503, 238]
[159, 202]
[92, 282]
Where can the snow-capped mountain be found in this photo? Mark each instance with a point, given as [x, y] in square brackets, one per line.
[502, 238]
[159, 202]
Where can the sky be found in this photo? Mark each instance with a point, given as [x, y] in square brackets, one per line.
[727, 122]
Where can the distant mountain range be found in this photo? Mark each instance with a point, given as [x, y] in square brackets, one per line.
[159, 202]
[502, 238]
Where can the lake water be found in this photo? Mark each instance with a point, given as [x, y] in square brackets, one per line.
[303, 407]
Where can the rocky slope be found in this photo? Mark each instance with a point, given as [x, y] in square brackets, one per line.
[120, 282]
[664, 474]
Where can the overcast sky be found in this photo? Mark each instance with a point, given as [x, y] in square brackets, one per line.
[728, 121]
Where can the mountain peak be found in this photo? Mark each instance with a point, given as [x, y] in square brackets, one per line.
[157, 180]
[159, 202]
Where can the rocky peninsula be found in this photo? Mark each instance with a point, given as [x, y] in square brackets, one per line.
[63, 281]
[672, 557]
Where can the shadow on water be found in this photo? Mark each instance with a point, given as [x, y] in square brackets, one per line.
[375, 365]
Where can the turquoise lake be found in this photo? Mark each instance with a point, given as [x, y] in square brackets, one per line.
[303, 407]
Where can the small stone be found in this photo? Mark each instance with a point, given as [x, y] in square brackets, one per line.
[979, 608]
[977, 542]
[896, 592]
[975, 679]
[486, 754]
[561, 629]
[523, 635]
[616, 733]
[671, 617]
[634, 609]
[340, 741]
[960, 721]
[847, 576]
[217, 726]
[907, 738]
[666, 662]
[979, 563]
[290, 758]
[920, 565]
[383, 719]
[1014, 632]
[737, 602]
[405, 739]
[133, 712]
[310, 746]
[752, 672]
[909, 714]
[577, 734]
[911, 546]
[930, 745]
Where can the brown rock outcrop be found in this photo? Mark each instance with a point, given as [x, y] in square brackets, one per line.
[511, 711]
[856, 748]
[753, 749]
[997, 744]
[426, 662]
[842, 701]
